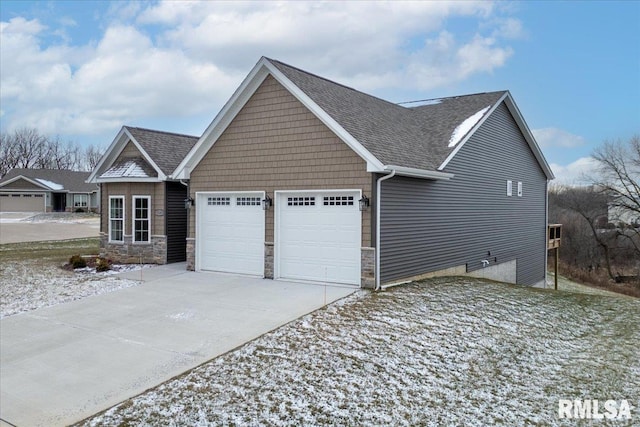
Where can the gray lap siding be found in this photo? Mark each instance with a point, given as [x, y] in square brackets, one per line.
[428, 226]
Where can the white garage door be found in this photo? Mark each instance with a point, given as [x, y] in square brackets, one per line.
[230, 235]
[25, 202]
[319, 236]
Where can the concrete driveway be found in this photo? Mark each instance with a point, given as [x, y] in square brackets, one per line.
[15, 228]
[61, 364]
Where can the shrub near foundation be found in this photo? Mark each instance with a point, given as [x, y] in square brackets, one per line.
[76, 261]
[103, 264]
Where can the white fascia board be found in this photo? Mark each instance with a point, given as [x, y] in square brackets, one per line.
[522, 125]
[161, 175]
[109, 156]
[469, 134]
[373, 164]
[240, 97]
[39, 184]
[228, 112]
[115, 148]
[418, 173]
[127, 179]
[528, 136]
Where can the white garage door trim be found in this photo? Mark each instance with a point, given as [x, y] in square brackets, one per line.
[7, 197]
[256, 266]
[347, 269]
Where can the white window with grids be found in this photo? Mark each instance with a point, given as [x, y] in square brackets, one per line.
[519, 189]
[338, 201]
[248, 201]
[218, 201]
[116, 218]
[301, 201]
[509, 188]
[141, 219]
[80, 200]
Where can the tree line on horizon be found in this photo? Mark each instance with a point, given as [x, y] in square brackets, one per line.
[28, 148]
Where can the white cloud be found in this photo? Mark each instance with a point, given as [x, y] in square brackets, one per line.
[554, 137]
[178, 59]
[579, 172]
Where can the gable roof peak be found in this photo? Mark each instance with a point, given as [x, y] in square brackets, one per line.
[159, 131]
[332, 82]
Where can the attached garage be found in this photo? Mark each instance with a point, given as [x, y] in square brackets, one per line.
[22, 202]
[230, 232]
[318, 236]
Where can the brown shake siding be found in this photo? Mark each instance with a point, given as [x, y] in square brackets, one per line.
[275, 143]
[130, 150]
[21, 184]
[130, 189]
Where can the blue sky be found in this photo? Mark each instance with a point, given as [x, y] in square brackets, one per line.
[81, 70]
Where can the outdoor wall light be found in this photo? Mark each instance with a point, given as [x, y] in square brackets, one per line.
[266, 202]
[188, 202]
[364, 203]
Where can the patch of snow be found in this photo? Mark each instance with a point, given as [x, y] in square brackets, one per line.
[50, 184]
[446, 351]
[25, 286]
[115, 269]
[463, 128]
[127, 169]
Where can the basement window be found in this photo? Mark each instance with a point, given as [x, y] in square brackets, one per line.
[248, 201]
[218, 201]
[338, 201]
[301, 201]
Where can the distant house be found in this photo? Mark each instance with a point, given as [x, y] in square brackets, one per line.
[301, 178]
[47, 190]
[145, 219]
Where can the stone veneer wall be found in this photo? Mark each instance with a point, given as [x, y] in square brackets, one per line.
[268, 260]
[129, 253]
[191, 253]
[368, 268]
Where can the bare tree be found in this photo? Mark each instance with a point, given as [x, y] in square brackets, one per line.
[619, 178]
[27, 148]
[92, 155]
[583, 213]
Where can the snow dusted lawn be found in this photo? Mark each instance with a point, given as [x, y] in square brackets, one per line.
[31, 277]
[441, 352]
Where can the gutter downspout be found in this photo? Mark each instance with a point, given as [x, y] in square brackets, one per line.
[378, 192]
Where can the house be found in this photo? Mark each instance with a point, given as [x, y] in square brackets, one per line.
[144, 219]
[302, 178]
[47, 190]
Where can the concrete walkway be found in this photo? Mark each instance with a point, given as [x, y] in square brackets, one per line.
[61, 364]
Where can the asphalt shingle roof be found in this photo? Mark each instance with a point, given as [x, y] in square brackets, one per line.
[416, 137]
[72, 181]
[166, 149]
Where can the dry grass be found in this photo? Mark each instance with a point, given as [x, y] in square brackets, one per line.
[599, 279]
[55, 251]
